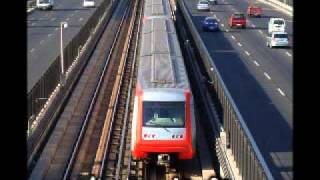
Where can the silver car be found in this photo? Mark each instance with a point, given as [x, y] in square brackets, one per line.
[203, 5]
[278, 39]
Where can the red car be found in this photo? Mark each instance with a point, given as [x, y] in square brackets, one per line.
[254, 11]
[237, 20]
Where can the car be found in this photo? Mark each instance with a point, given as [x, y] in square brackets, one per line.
[44, 4]
[237, 20]
[276, 39]
[213, 2]
[210, 24]
[88, 3]
[203, 5]
[254, 10]
[276, 25]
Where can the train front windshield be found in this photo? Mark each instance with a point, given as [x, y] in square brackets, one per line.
[164, 114]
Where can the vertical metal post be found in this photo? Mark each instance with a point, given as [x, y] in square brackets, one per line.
[62, 76]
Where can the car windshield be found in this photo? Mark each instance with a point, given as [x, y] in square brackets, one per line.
[281, 36]
[44, 1]
[238, 16]
[203, 2]
[163, 114]
[278, 22]
[210, 20]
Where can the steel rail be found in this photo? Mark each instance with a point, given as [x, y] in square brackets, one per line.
[88, 114]
[112, 119]
[130, 84]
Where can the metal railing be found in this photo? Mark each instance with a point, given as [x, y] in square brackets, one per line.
[239, 140]
[41, 91]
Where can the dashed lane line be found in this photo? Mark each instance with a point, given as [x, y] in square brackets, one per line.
[260, 32]
[53, 19]
[254, 26]
[41, 41]
[227, 30]
[267, 75]
[80, 19]
[256, 63]
[233, 37]
[49, 35]
[239, 44]
[247, 53]
[281, 92]
[56, 29]
[222, 25]
[32, 50]
[67, 19]
[288, 54]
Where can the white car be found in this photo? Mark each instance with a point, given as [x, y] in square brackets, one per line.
[44, 4]
[276, 25]
[88, 3]
[278, 39]
[203, 5]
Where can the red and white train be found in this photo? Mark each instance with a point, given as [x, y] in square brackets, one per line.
[163, 117]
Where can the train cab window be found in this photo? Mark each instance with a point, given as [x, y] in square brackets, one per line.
[163, 114]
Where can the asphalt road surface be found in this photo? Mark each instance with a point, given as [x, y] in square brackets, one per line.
[43, 34]
[259, 78]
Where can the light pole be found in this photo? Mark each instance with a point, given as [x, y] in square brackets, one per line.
[62, 26]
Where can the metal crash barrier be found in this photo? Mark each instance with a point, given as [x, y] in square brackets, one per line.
[234, 137]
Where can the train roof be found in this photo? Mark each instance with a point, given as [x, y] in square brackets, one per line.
[161, 63]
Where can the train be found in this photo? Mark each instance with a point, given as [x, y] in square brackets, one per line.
[163, 121]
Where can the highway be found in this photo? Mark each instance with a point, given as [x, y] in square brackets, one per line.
[43, 34]
[259, 78]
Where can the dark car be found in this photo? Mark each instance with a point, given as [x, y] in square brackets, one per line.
[210, 24]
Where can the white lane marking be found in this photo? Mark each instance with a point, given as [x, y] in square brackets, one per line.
[256, 63]
[218, 20]
[260, 32]
[41, 41]
[267, 75]
[32, 50]
[227, 30]
[53, 19]
[56, 29]
[247, 53]
[233, 37]
[288, 54]
[215, 15]
[71, 15]
[222, 25]
[33, 24]
[281, 92]
[67, 19]
[80, 19]
[211, 12]
[40, 18]
[239, 44]
[254, 26]
[49, 35]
